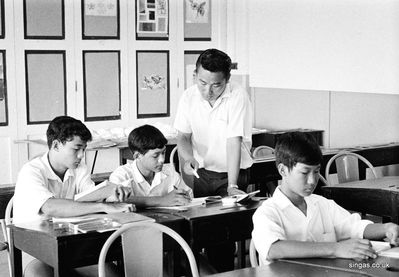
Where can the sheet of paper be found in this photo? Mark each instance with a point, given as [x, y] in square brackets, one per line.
[194, 202]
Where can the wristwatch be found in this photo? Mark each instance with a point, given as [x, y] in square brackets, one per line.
[232, 186]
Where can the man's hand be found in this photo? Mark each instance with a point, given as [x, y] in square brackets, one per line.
[190, 166]
[234, 191]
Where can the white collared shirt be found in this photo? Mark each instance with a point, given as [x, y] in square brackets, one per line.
[37, 182]
[164, 181]
[278, 219]
[210, 127]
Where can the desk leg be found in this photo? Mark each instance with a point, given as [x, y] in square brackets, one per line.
[241, 254]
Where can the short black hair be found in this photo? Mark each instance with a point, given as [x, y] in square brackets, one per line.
[214, 60]
[64, 128]
[145, 138]
[297, 147]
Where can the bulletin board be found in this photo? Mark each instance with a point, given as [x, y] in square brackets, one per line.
[152, 19]
[153, 95]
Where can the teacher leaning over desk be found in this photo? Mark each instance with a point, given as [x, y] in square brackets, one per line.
[214, 120]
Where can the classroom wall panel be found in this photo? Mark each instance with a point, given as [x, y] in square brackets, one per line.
[278, 109]
[5, 154]
[361, 118]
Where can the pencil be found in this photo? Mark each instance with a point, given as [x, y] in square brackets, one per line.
[195, 173]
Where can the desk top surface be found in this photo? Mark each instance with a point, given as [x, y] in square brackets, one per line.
[389, 183]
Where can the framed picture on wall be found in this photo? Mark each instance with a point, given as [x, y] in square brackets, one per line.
[153, 95]
[100, 19]
[3, 90]
[197, 20]
[2, 26]
[190, 59]
[102, 85]
[152, 19]
[44, 19]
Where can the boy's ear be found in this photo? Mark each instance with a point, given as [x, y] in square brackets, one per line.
[136, 155]
[282, 169]
[55, 145]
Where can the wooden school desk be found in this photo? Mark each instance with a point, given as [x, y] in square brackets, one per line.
[265, 170]
[278, 269]
[60, 248]
[372, 196]
[379, 267]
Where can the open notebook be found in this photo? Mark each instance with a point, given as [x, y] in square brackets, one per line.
[384, 249]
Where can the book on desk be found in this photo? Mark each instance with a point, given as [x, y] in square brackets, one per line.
[101, 222]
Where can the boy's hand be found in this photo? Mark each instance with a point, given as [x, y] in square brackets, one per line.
[357, 249]
[122, 193]
[392, 233]
[117, 207]
[175, 198]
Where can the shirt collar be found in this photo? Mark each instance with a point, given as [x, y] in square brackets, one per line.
[158, 177]
[50, 174]
[283, 202]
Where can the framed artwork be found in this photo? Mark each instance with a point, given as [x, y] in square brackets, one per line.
[153, 96]
[3, 90]
[102, 85]
[2, 24]
[38, 26]
[152, 19]
[197, 20]
[190, 59]
[45, 76]
[100, 19]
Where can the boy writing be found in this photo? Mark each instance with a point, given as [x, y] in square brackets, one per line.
[150, 182]
[295, 223]
[46, 185]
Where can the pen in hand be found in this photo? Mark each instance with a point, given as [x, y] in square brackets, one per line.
[183, 192]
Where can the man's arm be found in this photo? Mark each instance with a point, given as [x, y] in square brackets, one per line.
[233, 158]
[357, 249]
[185, 149]
[55, 207]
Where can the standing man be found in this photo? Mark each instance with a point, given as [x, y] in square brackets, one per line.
[214, 121]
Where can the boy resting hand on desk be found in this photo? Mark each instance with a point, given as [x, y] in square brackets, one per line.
[46, 185]
[295, 223]
[151, 183]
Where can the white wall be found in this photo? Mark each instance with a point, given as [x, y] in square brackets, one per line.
[347, 118]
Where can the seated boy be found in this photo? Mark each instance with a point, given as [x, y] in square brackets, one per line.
[151, 183]
[46, 185]
[295, 223]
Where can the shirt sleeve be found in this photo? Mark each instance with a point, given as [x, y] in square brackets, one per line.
[240, 115]
[268, 229]
[83, 179]
[182, 122]
[347, 225]
[31, 192]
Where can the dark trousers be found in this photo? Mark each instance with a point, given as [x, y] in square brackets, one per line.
[221, 256]
[215, 183]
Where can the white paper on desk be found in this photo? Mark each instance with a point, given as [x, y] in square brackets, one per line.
[194, 202]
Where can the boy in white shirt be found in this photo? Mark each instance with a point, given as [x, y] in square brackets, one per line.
[151, 183]
[46, 185]
[295, 223]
